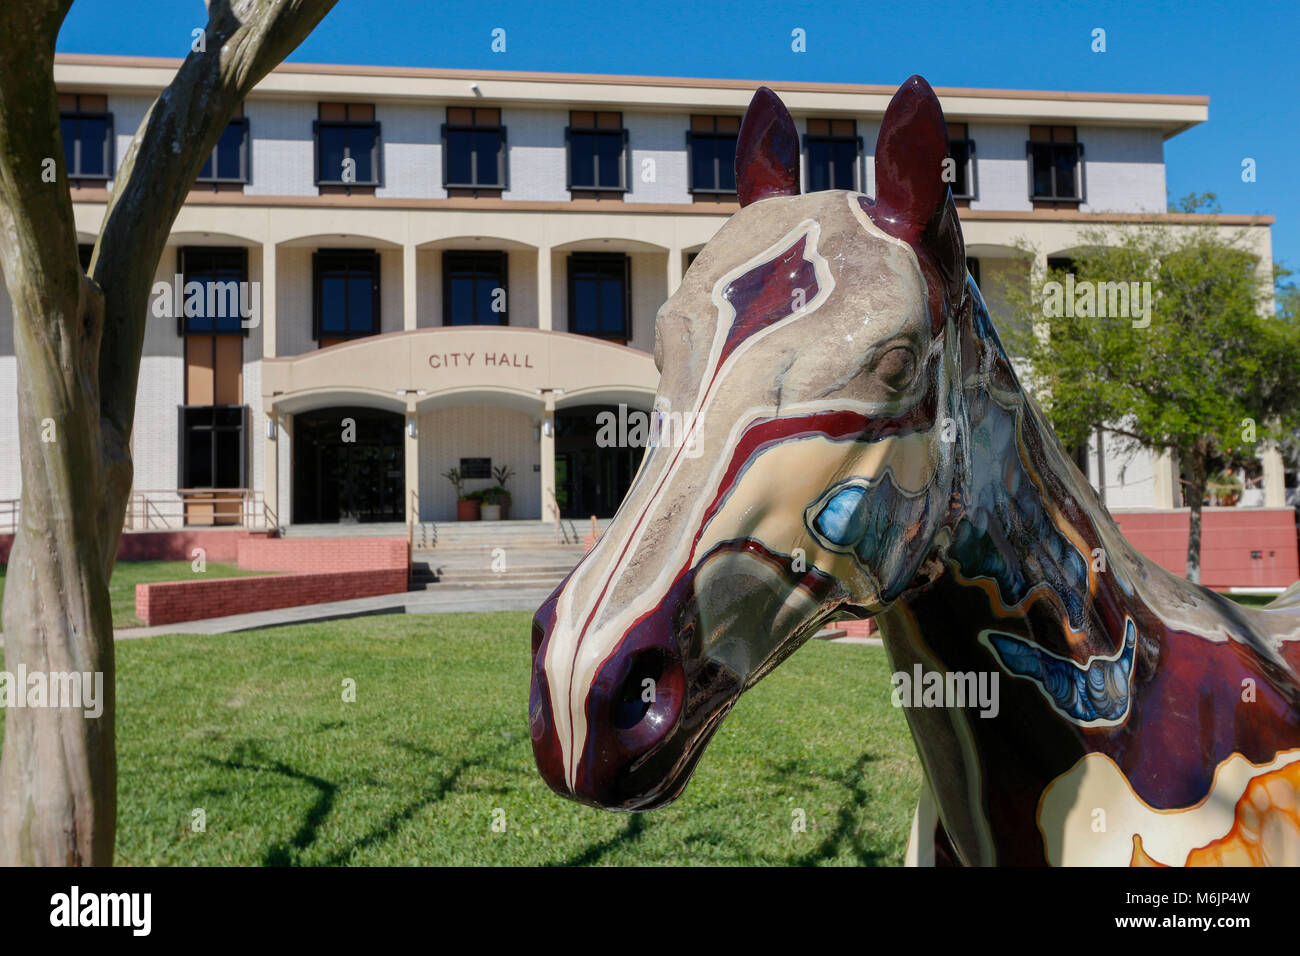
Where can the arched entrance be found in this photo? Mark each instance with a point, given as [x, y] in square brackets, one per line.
[348, 465]
[591, 479]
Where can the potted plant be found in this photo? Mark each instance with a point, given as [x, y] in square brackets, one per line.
[1224, 489]
[491, 504]
[496, 502]
[503, 474]
[467, 506]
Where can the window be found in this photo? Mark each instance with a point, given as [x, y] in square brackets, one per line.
[223, 272]
[346, 293]
[597, 153]
[470, 281]
[347, 145]
[832, 147]
[84, 251]
[474, 149]
[712, 145]
[87, 129]
[961, 150]
[212, 446]
[600, 295]
[1055, 164]
[229, 160]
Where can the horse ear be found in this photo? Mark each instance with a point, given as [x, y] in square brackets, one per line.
[913, 202]
[767, 150]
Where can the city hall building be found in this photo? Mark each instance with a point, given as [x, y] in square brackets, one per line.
[384, 274]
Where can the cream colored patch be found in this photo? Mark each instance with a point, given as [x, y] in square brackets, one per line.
[920, 842]
[1067, 813]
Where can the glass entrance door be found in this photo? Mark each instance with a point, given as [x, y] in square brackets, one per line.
[348, 466]
[589, 479]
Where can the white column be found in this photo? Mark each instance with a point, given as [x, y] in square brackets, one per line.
[411, 444]
[1274, 477]
[268, 301]
[408, 287]
[1165, 492]
[271, 462]
[544, 320]
[548, 457]
[674, 270]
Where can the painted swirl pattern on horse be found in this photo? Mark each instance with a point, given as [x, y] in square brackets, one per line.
[856, 443]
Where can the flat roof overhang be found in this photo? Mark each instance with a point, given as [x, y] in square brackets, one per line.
[148, 75]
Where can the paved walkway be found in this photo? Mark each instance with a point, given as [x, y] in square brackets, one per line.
[433, 601]
[436, 600]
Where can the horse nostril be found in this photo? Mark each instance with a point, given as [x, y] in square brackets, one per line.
[639, 690]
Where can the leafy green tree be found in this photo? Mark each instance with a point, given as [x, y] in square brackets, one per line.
[1163, 336]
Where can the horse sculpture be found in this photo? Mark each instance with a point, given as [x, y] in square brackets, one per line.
[853, 442]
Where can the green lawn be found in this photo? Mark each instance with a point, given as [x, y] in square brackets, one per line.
[252, 728]
[127, 574]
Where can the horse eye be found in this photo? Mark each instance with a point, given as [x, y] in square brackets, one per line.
[896, 367]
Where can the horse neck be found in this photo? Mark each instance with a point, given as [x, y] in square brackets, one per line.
[1026, 546]
[1013, 556]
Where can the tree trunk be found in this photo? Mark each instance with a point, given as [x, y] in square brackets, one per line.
[78, 343]
[58, 771]
[1196, 494]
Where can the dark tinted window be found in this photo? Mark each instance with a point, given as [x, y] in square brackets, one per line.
[229, 160]
[223, 273]
[338, 142]
[712, 143]
[1055, 160]
[212, 446]
[476, 146]
[87, 144]
[599, 295]
[346, 293]
[470, 284]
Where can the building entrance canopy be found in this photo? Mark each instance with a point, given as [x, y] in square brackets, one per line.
[426, 367]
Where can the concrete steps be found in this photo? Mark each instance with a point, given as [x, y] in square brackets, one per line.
[467, 554]
[485, 566]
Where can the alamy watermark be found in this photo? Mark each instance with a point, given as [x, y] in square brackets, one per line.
[210, 300]
[633, 428]
[58, 689]
[962, 689]
[1100, 300]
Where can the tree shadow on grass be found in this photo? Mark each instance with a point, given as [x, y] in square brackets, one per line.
[592, 854]
[283, 854]
[845, 833]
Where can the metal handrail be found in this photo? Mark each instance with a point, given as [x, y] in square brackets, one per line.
[561, 535]
[169, 509]
[428, 529]
[164, 509]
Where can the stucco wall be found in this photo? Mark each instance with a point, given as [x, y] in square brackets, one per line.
[502, 434]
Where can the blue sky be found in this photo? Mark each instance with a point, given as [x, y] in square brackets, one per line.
[1241, 55]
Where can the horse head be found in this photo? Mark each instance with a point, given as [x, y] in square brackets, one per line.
[800, 460]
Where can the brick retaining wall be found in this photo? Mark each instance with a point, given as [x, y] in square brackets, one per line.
[321, 554]
[319, 570]
[175, 601]
[1240, 547]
